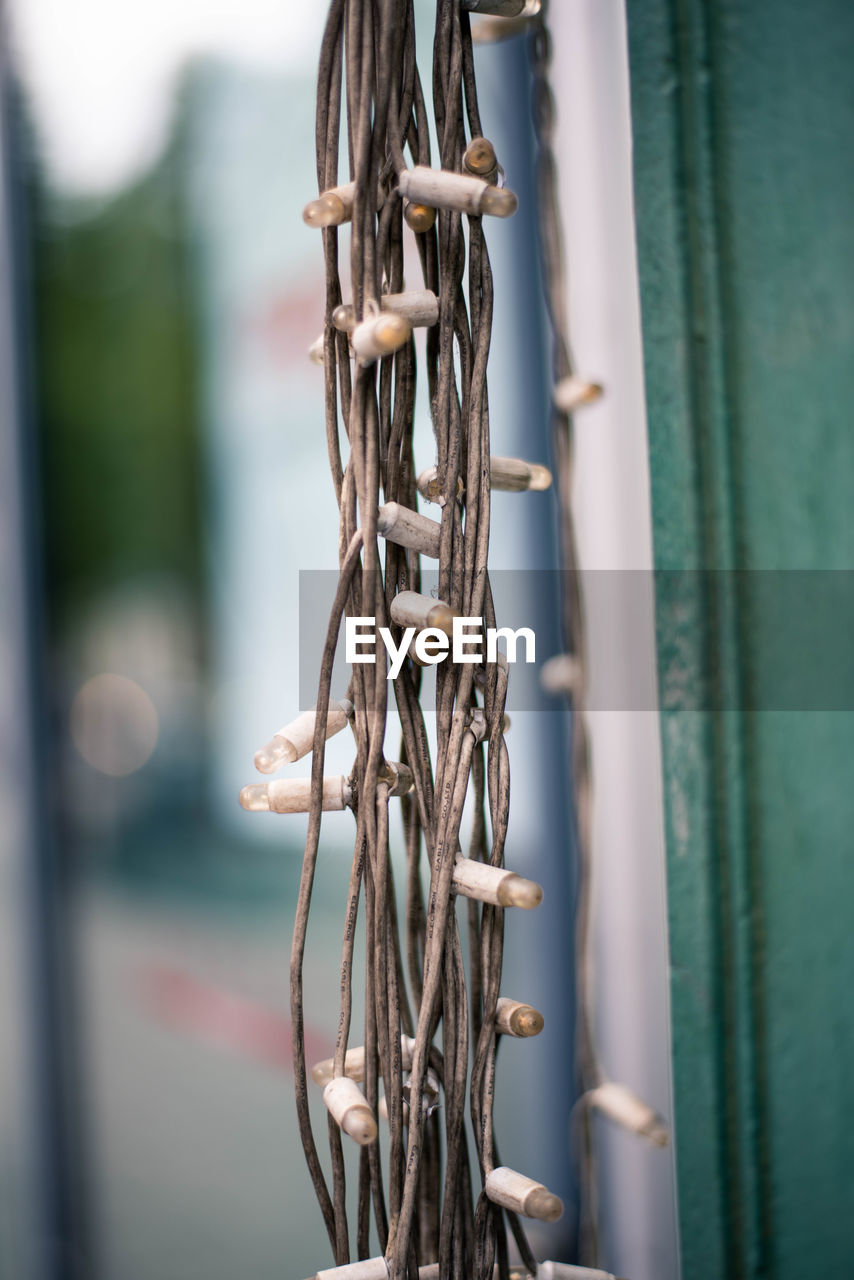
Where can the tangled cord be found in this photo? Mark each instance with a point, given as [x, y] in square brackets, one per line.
[567, 674]
[426, 1210]
[429, 1218]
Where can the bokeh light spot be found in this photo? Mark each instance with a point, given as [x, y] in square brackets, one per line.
[114, 724]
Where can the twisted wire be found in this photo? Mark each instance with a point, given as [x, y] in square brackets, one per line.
[424, 1207]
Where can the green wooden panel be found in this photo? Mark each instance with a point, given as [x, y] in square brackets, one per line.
[743, 118]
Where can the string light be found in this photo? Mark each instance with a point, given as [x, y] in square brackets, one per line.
[409, 529]
[379, 336]
[625, 1108]
[293, 795]
[561, 675]
[496, 885]
[565, 673]
[418, 217]
[512, 1018]
[331, 208]
[519, 1194]
[574, 393]
[334, 206]
[349, 1108]
[316, 350]
[512, 475]
[412, 609]
[433, 644]
[419, 306]
[480, 159]
[296, 739]
[354, 1063]
[463, 192]
[397, 777]
[430, 486]
[428, 1205]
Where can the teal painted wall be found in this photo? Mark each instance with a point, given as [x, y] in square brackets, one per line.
[743, 120]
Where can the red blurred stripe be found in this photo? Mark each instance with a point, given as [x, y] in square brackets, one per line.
[225, 1019]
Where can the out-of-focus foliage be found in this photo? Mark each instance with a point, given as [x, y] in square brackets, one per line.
[113, 319]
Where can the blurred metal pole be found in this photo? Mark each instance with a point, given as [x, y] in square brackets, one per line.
[44, 1219]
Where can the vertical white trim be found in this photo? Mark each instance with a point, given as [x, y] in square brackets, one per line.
[612, 502]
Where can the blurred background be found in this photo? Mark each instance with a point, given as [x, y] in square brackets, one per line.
[163, 484]
[163, 458]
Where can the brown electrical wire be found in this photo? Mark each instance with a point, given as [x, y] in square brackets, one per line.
[588, 1069]
[423, 1207]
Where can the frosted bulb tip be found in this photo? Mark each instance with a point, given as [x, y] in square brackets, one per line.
[527, 1021]
[573, 393]
[343, 317]
[516, 891]
[541, 477]
[322, 1072]
[479, 157]
[360, 1125]
[441, 616]
[256, 798]
[391, 332]
[271, 757]
[419, 217]
[500, 202]
[327, 211]
[544, 1205]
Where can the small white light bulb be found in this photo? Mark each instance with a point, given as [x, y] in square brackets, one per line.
[574, 393]
[495, 885]
[513, 1018]
[296, 738]
[514, 1191]
[349, 1109]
